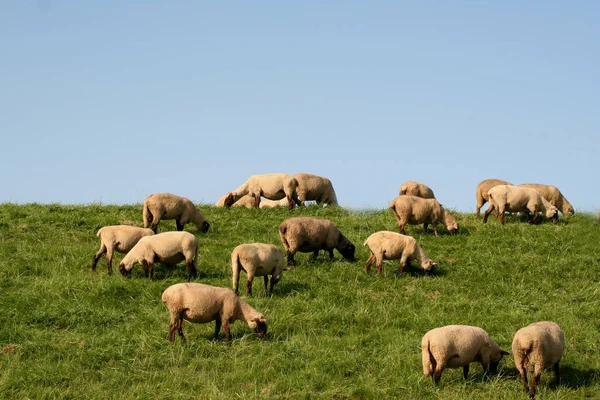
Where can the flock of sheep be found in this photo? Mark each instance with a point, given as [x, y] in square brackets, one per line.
[535, 347]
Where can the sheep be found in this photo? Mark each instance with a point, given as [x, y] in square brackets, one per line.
[266, 203]
[386, 245]
[416, 189]
[553, 195]
[270, 186]
[245, 201]
[167, 247]
[481, 193]
[535, 347]
[518, 199]
[120, 238]
[455, 346]
[199, 303]
[308, 234]
[314, 187]
[257, 259]
[169, 206]
[415, 210]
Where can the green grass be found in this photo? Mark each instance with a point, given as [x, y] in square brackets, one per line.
[335, 332]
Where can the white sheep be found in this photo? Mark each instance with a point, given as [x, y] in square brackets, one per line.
[161, 206]
[257, 259]
[167, 247]
[415, 210]
[535, 347]
[119, 238]
[553, 195]
[199, 303]
[481, 193]
[269, 186]
[387, 245]
[317, 188]
[308, 234]
[246, 201]
[518, 199]
[266, 203]
[418, 189]
[455, 346]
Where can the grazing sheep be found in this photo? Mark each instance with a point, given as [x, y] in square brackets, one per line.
[199, 303]
[168, 206]
[245, 201]
[518, 199]
[308, 234]
[269, 186]
[481, 193]
[120, 238]
[455, 346]
[167, 247]
[553, 195]
[535, 347]
[257, 259]
[266, 203]
[415, 210]
[314, 187]
[418, 189]
[386, 245]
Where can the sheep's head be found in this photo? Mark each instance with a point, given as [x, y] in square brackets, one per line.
[495, 359]
[205, 226]
[347, 249]
[568, 209]
[123, 269]
[229, 199]
[428, 267]
[452, 227]
[260, 325]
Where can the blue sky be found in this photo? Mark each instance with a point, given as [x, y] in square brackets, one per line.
[110, 101]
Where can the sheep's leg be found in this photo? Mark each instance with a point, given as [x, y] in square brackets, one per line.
[145, 267]
[401, 227]
[534, 381]
[369, 262]
[249, 283]
[151, 270]
[180, 329]
[501, 215]
[291, 202]
[523, 373]
[290, 260]
[256, 201]
[98, 255]
[191, 269]
[465, 372]
[403, 261]
[535, 215]
[109, 257]
[266, 279]
[227, 333]
[437, 372]
[172, 329]
[435, 230]
[379, 266]
[178, 223]
[557, 372]
[487, 213]
[217, 328]
[315, 254]
[425, 225]
[330, 254]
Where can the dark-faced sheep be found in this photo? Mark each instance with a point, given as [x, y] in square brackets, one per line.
[456, 346]
[481, 193]
[418, 189]
[166, 206]
[269, 186]
[553, 195]
[119, 238]
[317, 188]
[199, 303]
[308, 234]
[415, 210]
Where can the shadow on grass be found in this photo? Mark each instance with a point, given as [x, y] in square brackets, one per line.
[571, 378]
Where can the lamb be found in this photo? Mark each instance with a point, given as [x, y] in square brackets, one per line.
[481, 193]
[314, 187]
[455, 346]
[535, 347]
[416, 189]
[167, 247]
[257, 259]
[518, 199]
[266, 203]
[415, 210]
[553, 195]
[386, 245]
[270, 186]
[308, 234]
[199, 303]
[120, 238]
[245, 201]
[169, 206]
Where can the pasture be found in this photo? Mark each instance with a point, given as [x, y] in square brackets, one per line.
[335, 332]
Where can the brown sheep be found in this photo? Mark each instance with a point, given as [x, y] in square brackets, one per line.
[553, 195]
[481, 193]
[269, 186]
[120, 238]
[518, 199]
[314, 187]
[166, 206]
[418, 189]
[308, 234]
[415, 210]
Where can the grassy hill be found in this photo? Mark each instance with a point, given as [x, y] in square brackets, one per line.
[335, 332]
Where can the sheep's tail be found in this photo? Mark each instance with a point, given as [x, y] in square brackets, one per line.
[147, 215]
[393, 207]
[428, 360]
[99, 232]
[282, 232]
[165, 297]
